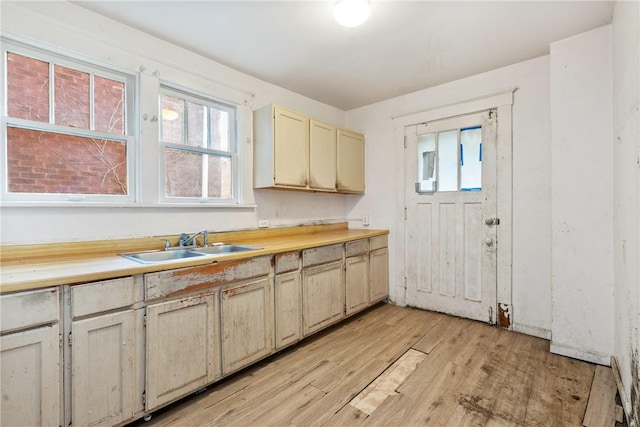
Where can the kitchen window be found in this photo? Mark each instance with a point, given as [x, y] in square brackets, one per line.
[198, 143]
[68, 129]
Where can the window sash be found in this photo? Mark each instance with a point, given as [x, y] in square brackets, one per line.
[129, 138]
[210, 103]
[8, 196]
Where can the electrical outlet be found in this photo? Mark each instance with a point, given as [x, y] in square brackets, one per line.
[365, 221]
[263, 223]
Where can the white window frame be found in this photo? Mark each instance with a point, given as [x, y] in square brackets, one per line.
[130, 136]
[189, 95]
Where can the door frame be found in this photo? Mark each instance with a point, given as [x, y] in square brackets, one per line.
[502, 102]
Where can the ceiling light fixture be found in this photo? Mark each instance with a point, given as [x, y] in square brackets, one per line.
[351, 13]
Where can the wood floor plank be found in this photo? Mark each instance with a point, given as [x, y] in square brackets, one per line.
[332, 402]
[347, 416]
[602, 399]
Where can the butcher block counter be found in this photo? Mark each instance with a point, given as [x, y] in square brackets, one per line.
[26, 267]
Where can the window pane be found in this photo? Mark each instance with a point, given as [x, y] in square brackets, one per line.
[71, 95]
[426, 161]
[108, 105]
[448, 161]
[44, 162]
[219, 180]
[172, 120]
[183, 174]
[27, 88]
[471, 159]
[197, 125]
[219, 129]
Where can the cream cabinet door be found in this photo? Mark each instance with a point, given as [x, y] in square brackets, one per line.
[356, 283]
[291, 148]
[183, 348]
[247, 324]
[322, 156]
[322, 296]
[379, 274]
[288, 308]
[30, 365]
[350, 161]
[103, 371]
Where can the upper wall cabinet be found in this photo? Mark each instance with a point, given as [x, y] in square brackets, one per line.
[296, 152]
[350, 162]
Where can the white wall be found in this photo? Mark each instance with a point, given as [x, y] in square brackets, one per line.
[65, 26]
[626, 201]
[531, 292]
[581, 196]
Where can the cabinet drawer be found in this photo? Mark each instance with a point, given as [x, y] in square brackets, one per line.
[190, 279]
[26, 309]
[289, 261]
[378, 242]
[357, 247]
[321, 255]
[102, 296]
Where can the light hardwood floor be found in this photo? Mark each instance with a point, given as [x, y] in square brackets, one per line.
[470, 374]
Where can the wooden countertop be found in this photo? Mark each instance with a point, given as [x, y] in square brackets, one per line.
[39, 266]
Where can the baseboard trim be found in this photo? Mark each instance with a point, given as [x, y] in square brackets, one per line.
[581, 354]
[532, 330]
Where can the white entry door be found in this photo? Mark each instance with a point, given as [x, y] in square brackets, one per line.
[451, 216]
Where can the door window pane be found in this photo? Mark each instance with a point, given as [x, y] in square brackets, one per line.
[471, 159]
[426, 162]
[448, 161]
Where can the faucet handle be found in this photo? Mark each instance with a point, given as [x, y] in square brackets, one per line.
[167, 244]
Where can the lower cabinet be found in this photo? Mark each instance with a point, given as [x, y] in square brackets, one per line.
[356, 283]
[323, 296]
[103, 375]
[30, 358]
[379, 274]
[31, 377]
[183, 348]
[288, 308]
[247, 323]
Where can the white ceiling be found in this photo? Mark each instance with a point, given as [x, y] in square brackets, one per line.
[404, 46]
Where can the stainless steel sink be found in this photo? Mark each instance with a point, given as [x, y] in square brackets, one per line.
[160, 256]
[152, 257]
[217, 249]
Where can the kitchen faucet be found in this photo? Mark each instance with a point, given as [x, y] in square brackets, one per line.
[186, 239]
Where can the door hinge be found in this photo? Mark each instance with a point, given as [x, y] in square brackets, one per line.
[405, 141]
[60, 340]
[490, 315]
[144, 399]
[70, 341]
[405, 213]
[144, 320]
[405, 282]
